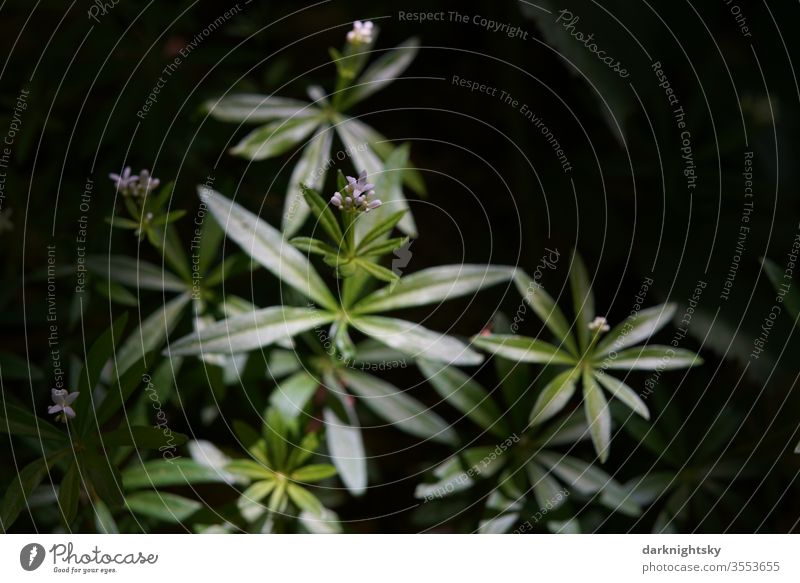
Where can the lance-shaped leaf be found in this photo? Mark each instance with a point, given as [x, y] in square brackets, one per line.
[548, 492]
[134, 273]
[585, 478]
[389, 186]
[624, 393]
[651, 357]
[152, 332]
[18, 420]
[382, 72]
[597, 414]
[265, 244]
[322, 211]
[362, 155]
[523, 349]
[636, 328]
[582, 298]
[347, 450]
[23, 483]
[291, 396]
[392, 404]
[252, 108]
[171, 472]
[416, 341]
[555, 396]
[546, 309]
[248, 331]
[275, 138]
[432, 285]
[366, 134]
[466, 395]
[162, 505]
[311, 169]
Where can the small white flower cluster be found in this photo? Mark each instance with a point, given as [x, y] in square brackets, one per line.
[361, 33]
[599, 324]
[358, 195]
[129, 184]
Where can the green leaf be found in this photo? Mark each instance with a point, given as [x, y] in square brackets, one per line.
[624, 393]
[416, 341]
[250, 469]
[582, 298]
[304, 499]
[134, 273]
[381, 248]
[466, 395]
[381, 228]
[119, 390]
[169, 472]
[23, 484]
[376, 270]
[635, 328]
[389, 186]
[103, 520]
[314, 473]
[250, 502]
[546, 309]
[151, 333]
[652, 357]
[392, 404]
[211, 235]
[266, 245]
[291, 396]
[275, 138]
[434, 285]
[365, 134]
[585, 478]
[69, 494]
[382, 72]
[17, 420]
[162, 506]
[309, 245]
[249, 331]
[555, 396]
[597, 414]
[116, 293]
[548, 492]
[144, 437]
[101, 473]
[322, 211]
[12, 367]
[347, 451]
[780, 278]
[252, 108]
[95, 360]
[523, 349]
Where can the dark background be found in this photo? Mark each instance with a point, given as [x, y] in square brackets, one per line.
[496, 191]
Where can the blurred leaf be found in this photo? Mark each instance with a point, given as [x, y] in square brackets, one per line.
[162, 506]
[597, 414]
[290, 397]
[466, 395]
[69, 493]
[275, 138]
[555, 396]
[251, 108]
[416, 341]
[311, 169]
[382, 72]
[523, 349]
[582, 299]
[169, 472]
[134, 273]
[393, 405]
[144, 437]
[347, 450]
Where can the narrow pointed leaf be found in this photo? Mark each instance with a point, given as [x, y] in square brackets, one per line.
[466, 395]
[598, 415]
[624, 393]
[252, 108]
[162, 506]
[582, 298]
[523, 349]
[651, 357]
[291, 396]
[134, 273]
[585, 478]
[347, 450]
[275, 138]
[322, 211]
[382, 72]
[392, 404]
[311, 169]
[554, 397]
[433, 285]
[266, 245]
[249, 331]
[546, 309]
[417, 341]
[635, 329]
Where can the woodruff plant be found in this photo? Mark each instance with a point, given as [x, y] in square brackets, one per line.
[291, 122]
[356, 305]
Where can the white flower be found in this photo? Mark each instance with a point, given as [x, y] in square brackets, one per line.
[361, 33]
[63, 400]
[599, 323]
[358, 194]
